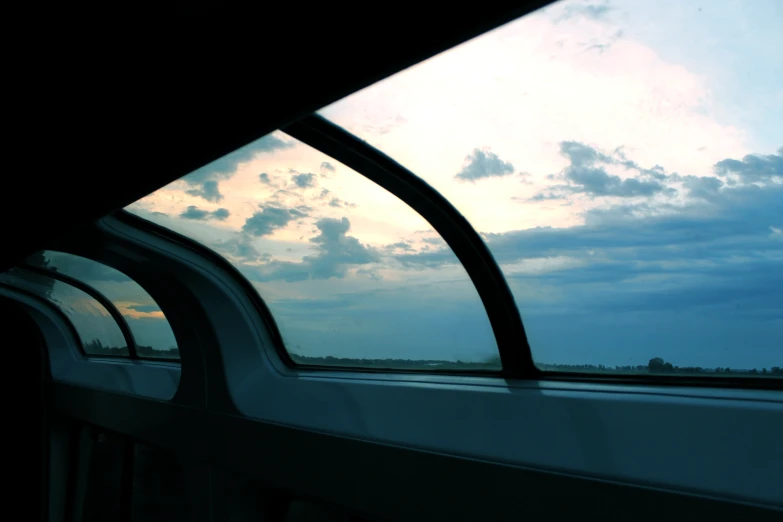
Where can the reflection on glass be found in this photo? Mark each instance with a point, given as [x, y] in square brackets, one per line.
[97, 330]
[333, 255]
[149, 327]
[624, 164]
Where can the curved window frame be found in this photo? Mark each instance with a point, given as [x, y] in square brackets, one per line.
[501, 309]
[104, 301]
[61, 316]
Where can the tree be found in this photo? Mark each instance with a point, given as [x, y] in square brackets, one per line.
[656, 365]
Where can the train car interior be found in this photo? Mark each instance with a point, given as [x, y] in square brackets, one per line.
[339, 263]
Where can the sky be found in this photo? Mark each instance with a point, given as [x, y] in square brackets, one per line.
[622, 160]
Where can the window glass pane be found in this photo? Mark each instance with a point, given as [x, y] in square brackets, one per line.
[99, 333]
[624, 164]
[149, 327]
[330, 252]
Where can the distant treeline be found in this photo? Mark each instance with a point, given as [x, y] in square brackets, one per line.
[95, 347]
[149, 351]
[655, 365]
[415, 364]
[659, 366]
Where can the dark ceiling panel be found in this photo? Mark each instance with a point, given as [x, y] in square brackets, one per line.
[117, 111]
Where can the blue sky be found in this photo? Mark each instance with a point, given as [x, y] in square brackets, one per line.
[734, 44]
[623, 161]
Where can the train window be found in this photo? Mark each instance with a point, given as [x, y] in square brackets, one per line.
[628, 182]
[99, 333]
[330, 253]
[151, 331]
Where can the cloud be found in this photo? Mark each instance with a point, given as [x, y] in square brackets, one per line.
[591, 11]
[724, 222]
[437, 241]
[221, 214]
[145, 309]
[283, 192]
[240, 248]
[264, 178]
[596, 182]
[325, 165]
[484, 164]
[271, 218]
[371, 273]
[753, 167]
[586, 174]
[593, 180]
[430, 244]
[401, 245]
[656, 172]
[193, 212]
[207, 190]
[205, 179]
[581, 155]
[719, 302]
[543, 196]
[335, 252]
[304, 180]
[703, 187]
[336, 202]
[226, 166]
[734, 225]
